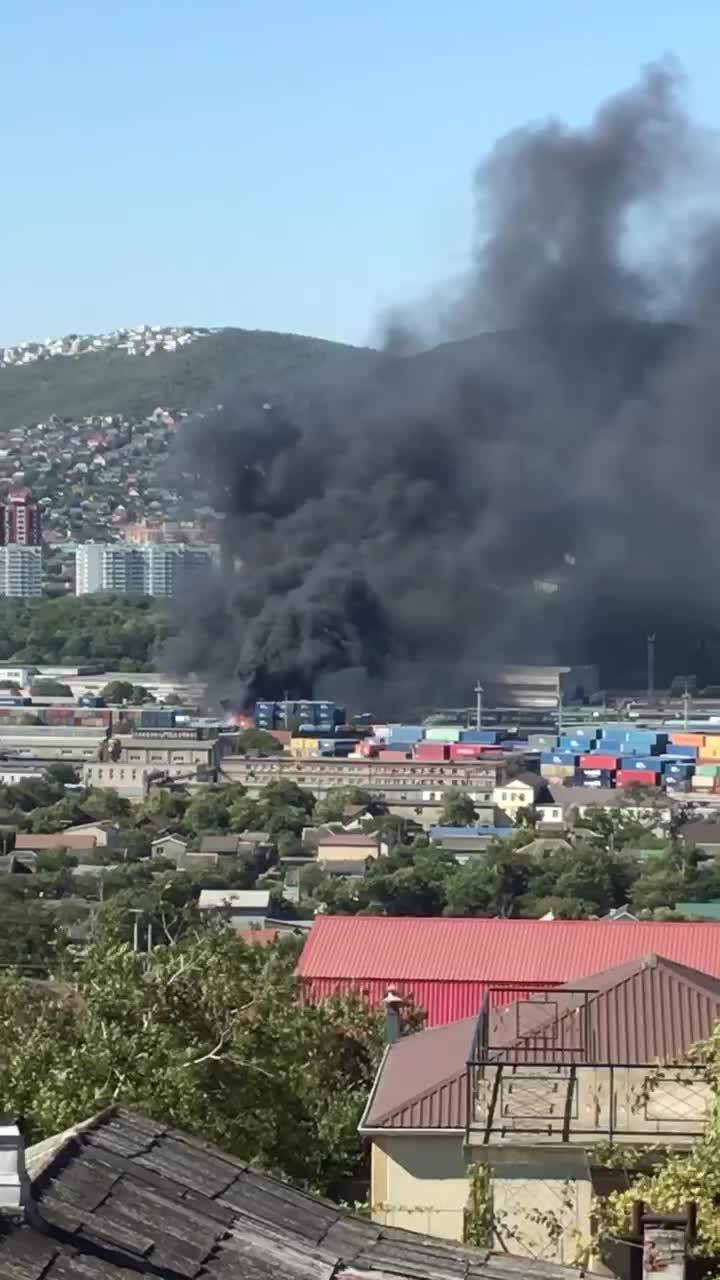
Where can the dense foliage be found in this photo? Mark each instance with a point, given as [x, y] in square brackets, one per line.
[124, 632]
[677, 1178]
[210, 1034]
[112, 382]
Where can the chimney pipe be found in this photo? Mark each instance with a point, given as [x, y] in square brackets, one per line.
[392, 1003]
[13, 1175]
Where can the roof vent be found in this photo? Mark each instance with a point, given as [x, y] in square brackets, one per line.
[13, 1175]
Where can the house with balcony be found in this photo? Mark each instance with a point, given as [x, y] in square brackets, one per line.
[528, 1090]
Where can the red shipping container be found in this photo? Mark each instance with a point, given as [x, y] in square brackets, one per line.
[467, 750]
[434, 751]
[598, 762]
[393, 755]
[637, 778]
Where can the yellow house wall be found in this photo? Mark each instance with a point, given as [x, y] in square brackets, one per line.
[420, 1183]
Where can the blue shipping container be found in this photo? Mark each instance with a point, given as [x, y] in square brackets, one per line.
[484, 736]
[639, 762]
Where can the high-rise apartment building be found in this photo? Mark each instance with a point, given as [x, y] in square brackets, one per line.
[21, 520]
[151, 569]
[21, 571]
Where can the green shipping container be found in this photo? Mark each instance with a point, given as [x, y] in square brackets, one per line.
[708, 770]
[443, 733]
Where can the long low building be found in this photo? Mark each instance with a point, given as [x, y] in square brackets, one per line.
[21, 743]
[405, 779]
[446, 966]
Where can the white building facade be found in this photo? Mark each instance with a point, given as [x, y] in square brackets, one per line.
[150, 569]
[21, 571]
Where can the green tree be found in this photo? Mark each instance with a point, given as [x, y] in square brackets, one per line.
[209, 810]
[458, 810]
[333, 806]
[117, 692]
[51, 689]
[211, 1034]
[256, 742]
[62, 775]
[29, 938]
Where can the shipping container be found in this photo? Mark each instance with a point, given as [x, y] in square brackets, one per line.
[702, 782]
[388, 755]
[603, 777]
[637, 778]
[490, 736]
[559, 757]
[405, 732]
[598, 760]
[557, 772]
[431, 751]
[647, 763]
[442, 733]
[467, 750]
[688, 739]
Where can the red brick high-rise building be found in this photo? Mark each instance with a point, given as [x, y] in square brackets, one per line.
[20, 524]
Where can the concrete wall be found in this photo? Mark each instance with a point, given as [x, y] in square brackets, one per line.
[420, 1183]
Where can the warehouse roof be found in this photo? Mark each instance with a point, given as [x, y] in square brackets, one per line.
[349, 839]
[56, 840]
[123, 1196]
[648, 1010]
[234, 899]
[411, 949]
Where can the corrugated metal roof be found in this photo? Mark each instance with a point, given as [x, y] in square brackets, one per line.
[353, 840]
[407, 949]
[651, 1009]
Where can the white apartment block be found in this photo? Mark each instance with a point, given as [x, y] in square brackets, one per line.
[141, 569]
[21, 571]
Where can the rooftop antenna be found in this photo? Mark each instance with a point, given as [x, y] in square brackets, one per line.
[651, 668]
[478, 705]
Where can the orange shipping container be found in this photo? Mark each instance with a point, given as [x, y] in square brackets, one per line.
[688, 739]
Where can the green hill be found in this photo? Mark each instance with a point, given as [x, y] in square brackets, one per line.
[192, 378]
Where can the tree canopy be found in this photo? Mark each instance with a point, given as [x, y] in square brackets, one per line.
[123, 632]
[210, 1034]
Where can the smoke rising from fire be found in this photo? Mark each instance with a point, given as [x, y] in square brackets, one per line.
[538, 486]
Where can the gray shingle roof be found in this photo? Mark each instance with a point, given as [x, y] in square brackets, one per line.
[127, 1197]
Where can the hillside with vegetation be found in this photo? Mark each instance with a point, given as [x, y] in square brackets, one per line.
[110, 381]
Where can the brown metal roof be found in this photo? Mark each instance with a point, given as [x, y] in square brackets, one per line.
[57, 840]
[647, 1010]
[421, 1081]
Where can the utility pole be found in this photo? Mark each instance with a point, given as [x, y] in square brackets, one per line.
[478, 705]
[560, 712]
[651, 668]
[136, 912]
[686, 703]
[149, 937]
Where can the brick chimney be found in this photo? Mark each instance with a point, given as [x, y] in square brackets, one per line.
[13, 1174]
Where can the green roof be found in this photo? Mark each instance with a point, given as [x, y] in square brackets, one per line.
[700, 910]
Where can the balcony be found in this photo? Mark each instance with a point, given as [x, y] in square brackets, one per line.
[535, 1078]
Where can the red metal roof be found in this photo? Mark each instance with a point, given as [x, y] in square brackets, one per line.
[446, 965]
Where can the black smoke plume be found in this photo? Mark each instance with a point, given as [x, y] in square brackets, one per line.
[540, 484]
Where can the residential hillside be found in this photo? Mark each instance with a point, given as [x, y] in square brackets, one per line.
[109, 379]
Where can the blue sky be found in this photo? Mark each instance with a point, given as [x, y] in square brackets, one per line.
[289, 164]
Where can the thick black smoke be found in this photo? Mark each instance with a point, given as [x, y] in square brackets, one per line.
[541, 486]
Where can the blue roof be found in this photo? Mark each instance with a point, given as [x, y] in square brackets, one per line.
[438, 833]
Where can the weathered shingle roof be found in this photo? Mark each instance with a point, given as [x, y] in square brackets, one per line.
[126, 1197]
